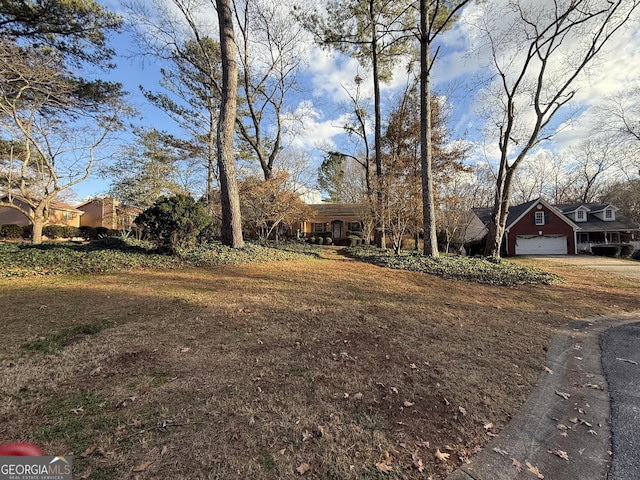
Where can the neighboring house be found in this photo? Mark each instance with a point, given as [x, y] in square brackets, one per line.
[539, 228]
[333, 218]
[108, 213]
[59, 214]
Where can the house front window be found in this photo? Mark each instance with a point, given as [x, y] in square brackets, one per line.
[354, 226]
[539, 218]
[612, 237]
[67, 216]
[318, 227]
[583, 238]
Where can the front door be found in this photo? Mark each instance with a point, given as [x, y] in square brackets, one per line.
[336, 229]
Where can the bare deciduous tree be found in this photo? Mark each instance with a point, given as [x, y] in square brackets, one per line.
[538, 51]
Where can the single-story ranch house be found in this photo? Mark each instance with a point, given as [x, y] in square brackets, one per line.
[59, 214]
[101, 212]
[539, 228]
[334, 219]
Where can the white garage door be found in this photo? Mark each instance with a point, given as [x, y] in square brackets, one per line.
[541, 245]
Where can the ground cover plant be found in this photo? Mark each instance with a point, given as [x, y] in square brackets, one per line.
[323, 368]
[473, 269]
[110, 254]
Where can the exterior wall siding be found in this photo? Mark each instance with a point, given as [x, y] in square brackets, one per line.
[554, 226]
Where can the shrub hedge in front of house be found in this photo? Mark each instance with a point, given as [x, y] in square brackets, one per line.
[606, 250]
[11, 231]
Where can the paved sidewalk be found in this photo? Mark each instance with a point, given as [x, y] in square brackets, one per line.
[562, 430]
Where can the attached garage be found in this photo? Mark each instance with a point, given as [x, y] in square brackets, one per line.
[541, 245]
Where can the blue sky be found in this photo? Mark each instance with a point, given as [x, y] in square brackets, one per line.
[323, 96]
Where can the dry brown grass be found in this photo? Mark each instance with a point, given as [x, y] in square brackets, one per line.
[252, 371]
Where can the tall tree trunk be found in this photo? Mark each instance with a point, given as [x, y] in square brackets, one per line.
[500, 212]
[37, 225]
[231, 219]
[380, 240]
[426, 154]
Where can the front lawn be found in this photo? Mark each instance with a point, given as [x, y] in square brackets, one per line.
[332, 367]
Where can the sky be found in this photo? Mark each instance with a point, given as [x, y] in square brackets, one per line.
[456, 73]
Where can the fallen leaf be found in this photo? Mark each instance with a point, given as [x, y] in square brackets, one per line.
[504, 453]
[408, 403]
[560, 453]
[142, 467]
[574, 420]
[516, 464]
[283, 451]
[417, 461]
[413, 366]
[563, 395]
[534, 470]
[548, 370]
[252, 420]
[303, 468]
[306, 435]
[96, 371]
[384, 466]
[85, 475]
[358, 396]
[137, 423]
[592, 432]
[488, 426]
[562, 426]
[78, 410]
[345, 395]
[463, 411]
[87, 452]
[164, 450]
[394, 389]
[185, 349]
[395, 453]
[442, 456]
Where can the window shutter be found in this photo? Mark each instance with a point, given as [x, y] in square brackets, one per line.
[533, 218]
[546, 218]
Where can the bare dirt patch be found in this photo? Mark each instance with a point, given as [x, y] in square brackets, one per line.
[332, 367]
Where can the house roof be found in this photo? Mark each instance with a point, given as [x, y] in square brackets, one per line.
[55, 205]
[593, 223]
[65, 206]
[336, 209]
[516, 212]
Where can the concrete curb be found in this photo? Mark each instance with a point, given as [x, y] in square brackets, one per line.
[567, 411]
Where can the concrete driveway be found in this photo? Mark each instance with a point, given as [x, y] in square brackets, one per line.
[618, 266]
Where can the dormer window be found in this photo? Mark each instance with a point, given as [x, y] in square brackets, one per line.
[608, 214]
[580, 215]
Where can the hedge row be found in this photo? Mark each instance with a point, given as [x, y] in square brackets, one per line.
[613, 250]
[15, 232]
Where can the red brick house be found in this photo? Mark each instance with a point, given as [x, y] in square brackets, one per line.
[539, 228]
[334, 219]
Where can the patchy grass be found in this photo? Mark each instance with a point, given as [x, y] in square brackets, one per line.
[472, 269]
[251, 371]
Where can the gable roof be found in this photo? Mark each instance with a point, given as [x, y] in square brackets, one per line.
[593, 223]
[517, 212]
